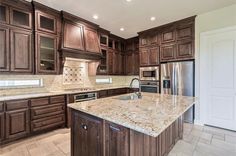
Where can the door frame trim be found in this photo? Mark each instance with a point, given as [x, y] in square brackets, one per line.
[203, 47]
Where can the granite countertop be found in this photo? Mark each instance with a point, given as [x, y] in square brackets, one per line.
[150, 115]
[54, 93]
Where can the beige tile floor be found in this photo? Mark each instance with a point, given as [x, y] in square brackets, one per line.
[197, 141]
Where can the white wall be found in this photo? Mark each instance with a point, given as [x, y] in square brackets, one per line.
[221, 18]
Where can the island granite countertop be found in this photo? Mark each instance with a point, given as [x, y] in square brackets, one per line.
[150, 115]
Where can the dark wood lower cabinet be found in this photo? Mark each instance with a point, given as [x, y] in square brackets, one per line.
[117, 140]
[90, 136]
[2, 125]
[86, 135]
[27, 117]
[17, 124]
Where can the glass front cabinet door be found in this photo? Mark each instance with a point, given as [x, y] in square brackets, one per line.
[47, 54]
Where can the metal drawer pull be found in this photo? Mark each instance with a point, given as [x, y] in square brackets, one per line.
[114, 128]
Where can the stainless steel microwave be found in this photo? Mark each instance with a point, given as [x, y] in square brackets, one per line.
[149, 73]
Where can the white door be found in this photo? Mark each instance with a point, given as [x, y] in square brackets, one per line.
[218, 78]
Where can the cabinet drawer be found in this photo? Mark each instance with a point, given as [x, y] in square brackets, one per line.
[46, 111]
[102, 94]
[14, 105]
[57, 99]
[47, 123]
[1, 106]
[39, 101]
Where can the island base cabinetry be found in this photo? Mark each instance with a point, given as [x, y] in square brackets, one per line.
[92, 136]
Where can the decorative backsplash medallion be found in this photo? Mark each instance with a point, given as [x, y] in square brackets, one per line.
[72, 75]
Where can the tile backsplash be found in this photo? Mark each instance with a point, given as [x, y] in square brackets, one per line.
[75, 75]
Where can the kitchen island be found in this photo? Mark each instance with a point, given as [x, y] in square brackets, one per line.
[127, 126]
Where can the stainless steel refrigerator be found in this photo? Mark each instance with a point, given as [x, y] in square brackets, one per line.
[177, 78]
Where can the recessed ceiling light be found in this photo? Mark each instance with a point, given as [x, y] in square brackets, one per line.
[153, 18]
[128, 0]
[122, 29]
[95, 16]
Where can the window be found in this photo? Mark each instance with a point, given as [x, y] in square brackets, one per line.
[21, 83]
[104, 80]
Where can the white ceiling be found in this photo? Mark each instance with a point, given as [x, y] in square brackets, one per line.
[135, 16]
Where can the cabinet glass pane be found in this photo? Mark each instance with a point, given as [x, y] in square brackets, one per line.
[3, 13]
[47, 55]
[46, 23]
[103, 40]
[20, 18]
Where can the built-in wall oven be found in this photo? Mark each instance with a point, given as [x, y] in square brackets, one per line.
[150, 86]
[149, 73]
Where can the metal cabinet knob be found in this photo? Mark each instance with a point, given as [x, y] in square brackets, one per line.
[84, 127]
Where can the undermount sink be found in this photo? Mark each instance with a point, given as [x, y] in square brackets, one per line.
[127, 97]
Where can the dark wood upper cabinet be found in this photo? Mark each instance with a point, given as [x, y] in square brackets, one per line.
[21, 51]
[73, 36]
[4, 49]
[129, 64]
[4, 14]
[185, 32]
[154, 57]
[168, 52]
[46, 53]
[136, 63]
[149, 56]
[103, 66]
[117, 140]
[88, 136]
[21, 18]
[46, 22]
[168, 35]
[185, 49]
[115, 62]
[110, 61]
[104, 40]
[144, 56]
[153, 39]
[17, 119]
[91, 40]
[143, 40]
[170, 42]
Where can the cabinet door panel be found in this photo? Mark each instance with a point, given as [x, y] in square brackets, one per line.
[143, 40]
[129, 63]
[47, 57]
[20, 18]
[2, 126]
[4, 14]
[91, 40]
[116, 140]
[73, 36]
[136, 63]
[46, 22]
[168, 35]
[153, 39]
[144, 57]
[87, 139]
[4, 49]
[110, 62]
[185, 49]
[21, 51]
[185, 32]
[154, 54]
[168, 52]
[17, 123]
